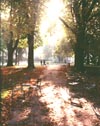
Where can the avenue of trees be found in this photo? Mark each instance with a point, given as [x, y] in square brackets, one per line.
[81, 18]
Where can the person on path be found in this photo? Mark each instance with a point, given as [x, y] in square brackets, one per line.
[41, 62]
[44, 62]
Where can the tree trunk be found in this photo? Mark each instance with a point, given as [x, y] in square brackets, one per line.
[79, 59]
[88, 54]
[88, 59]
[11, 47]
[10, 58]
[30, 51]
[98, 63]
[10, 50]
[79, 51]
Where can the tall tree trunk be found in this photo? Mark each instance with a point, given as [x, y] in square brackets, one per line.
[98, 63]
[79, 51]
[30, 51]
[10, 58]
[88, 59]
[11, 48]
[79, 58]
[88, 54]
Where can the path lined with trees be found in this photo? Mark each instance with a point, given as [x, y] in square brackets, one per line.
[20, 28]
[81, 22]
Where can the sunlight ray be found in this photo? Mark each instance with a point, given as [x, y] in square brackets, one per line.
[50, 23]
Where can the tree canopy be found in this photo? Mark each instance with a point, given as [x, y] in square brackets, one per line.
[79, 17]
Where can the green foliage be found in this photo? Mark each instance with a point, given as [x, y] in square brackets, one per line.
[86, 27]
[38, 41]
[64, 48]
[23, 43]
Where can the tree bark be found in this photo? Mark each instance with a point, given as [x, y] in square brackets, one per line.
[11, 49]
[98, 63]
[79, 58]
[79, 50]
[30, 51]
[10, 58]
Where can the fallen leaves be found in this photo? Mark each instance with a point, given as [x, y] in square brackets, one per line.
[62, 102]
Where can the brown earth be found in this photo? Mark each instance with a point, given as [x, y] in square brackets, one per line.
[65, 98]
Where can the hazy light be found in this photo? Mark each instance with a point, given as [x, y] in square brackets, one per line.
[51, 28]
[58, 98]
[39, 52]
[54, 9]
[5, 14]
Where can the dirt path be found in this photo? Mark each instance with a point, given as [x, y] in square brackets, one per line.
[64, 110]
[55, 106]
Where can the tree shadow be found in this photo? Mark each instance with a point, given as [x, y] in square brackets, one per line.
[75, 90]
[84, 85]
[13, 76]
[55, 106]
[26, 112]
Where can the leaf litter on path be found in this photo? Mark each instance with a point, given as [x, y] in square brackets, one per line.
[59, 104]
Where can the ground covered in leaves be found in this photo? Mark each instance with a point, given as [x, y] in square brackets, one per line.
[52, 95]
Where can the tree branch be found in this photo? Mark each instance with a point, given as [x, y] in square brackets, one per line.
[67, 26]
[16, 44]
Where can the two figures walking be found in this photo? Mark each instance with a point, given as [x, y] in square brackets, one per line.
[42, 62]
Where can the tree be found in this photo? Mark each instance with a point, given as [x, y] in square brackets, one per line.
[31, 20]
[12, 30]
[23, 17]
[11, 49]
[93, 39]
[83, 11]
[64, 48]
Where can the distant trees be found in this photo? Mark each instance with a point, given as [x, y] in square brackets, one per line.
[64, 48]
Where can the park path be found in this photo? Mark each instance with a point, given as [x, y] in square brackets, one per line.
[55, 105]
[58, 98]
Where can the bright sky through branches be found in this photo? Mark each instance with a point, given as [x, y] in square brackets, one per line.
[51, 27]
[54, 9]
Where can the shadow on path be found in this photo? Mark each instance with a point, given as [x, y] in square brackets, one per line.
[58, 104]
[67, 107]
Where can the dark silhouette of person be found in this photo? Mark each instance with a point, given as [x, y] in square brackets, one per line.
[44, 62]
[41, 62]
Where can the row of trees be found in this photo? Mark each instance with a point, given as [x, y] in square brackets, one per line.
[81, 19]
[22, 23]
